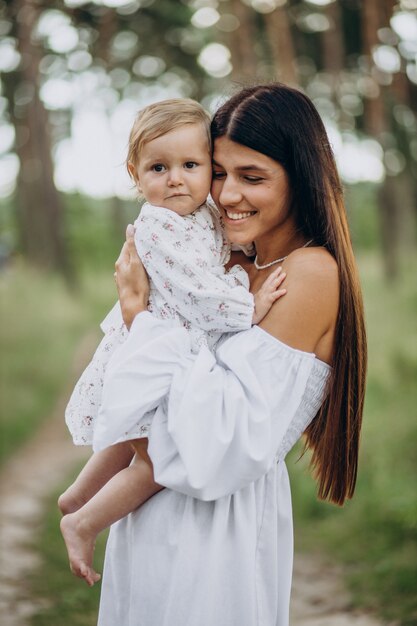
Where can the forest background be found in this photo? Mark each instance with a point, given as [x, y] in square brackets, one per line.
[73, 73]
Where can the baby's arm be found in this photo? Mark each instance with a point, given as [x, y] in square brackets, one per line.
[268, 294]
[177, 254]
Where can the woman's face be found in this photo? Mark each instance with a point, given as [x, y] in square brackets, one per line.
[251, 190]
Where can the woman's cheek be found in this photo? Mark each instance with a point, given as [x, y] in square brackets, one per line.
[216, 188]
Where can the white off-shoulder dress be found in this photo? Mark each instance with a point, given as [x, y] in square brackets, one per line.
[185, 259]
[214, 548]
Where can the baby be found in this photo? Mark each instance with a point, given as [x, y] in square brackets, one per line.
[180, 241]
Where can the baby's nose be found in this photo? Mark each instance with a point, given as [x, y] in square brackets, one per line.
[175, 176]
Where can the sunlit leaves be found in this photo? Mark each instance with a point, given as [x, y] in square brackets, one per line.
[117, 55]
[215, 60]
[124, 45]
[56, 29]
[313, 22]
[9, 56]
[205, 17]
[7, 136]
[9, 168]
[148, 66]
[387, 59]
[405, 25]
[265, 6]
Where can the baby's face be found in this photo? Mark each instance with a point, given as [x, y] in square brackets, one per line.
[175, 169]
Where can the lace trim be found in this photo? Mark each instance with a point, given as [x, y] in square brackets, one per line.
[313, 396]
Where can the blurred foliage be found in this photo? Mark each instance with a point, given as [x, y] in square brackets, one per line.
[362, 211]
[355, 60]
[39, 341]
[376, 533]
[65, 599]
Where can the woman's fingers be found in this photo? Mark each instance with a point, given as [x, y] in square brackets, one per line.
[128, 252]
[130, 242]
[130, 273]
[123, 256]
[131, 279]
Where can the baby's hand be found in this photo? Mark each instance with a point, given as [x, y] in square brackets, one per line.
[267, 294]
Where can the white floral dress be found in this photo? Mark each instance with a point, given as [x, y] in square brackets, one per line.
[185, 259]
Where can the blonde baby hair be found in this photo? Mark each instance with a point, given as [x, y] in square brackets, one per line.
[161, 118]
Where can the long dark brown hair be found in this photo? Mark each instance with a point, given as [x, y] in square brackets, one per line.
[283, 123]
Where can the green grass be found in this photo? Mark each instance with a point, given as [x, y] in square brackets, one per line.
[41, 324]
[68, 600]
[375, 534]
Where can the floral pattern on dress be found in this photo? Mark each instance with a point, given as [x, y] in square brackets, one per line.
[184, 257]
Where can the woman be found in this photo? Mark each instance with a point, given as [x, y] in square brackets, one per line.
[215, 547]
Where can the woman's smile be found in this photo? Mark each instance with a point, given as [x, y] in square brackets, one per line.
[251, 191]
[236, 216]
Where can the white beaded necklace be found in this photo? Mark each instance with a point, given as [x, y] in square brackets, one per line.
[263, 267]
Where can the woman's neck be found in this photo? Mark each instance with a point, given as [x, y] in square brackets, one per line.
[269, 248]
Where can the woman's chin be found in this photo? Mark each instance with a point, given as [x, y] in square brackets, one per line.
[240, 239]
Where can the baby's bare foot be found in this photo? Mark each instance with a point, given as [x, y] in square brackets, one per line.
[69, 502]
[80, 547]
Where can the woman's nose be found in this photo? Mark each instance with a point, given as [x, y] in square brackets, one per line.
[229, 194]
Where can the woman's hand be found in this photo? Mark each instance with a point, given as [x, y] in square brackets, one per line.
[131, 280]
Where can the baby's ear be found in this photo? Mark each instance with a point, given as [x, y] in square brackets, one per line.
[134, 175]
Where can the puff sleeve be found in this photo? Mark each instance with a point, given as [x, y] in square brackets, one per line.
[223, 419]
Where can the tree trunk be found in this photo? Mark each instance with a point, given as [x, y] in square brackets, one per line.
[40, 207]
[377, 123]
[280, 40]
[242, 42]
[107, 29]
[333, 49]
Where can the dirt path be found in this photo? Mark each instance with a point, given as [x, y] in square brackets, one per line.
[25, 482]
[319, 596]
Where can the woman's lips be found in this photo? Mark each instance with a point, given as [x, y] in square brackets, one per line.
[238, 216]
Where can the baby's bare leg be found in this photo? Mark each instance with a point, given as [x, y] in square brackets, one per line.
[124, 492]
[98, 470]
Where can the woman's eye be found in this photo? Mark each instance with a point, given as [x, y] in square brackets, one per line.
[253, 179]
[158, 167]
[218, 175]
[190, 165]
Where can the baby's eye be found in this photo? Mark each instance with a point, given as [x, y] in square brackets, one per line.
[158, 167]
[190, 165]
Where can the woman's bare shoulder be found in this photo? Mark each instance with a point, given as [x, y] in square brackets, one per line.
[307, 314]
[314, 262]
